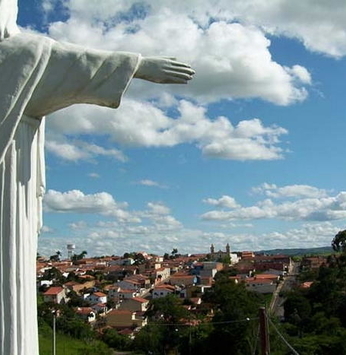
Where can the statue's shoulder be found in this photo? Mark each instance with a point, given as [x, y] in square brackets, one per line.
[25, 44]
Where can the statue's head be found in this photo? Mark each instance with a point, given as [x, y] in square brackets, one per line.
[8, 18]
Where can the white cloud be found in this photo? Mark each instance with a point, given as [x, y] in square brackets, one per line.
[77, 150]
[78, 225]
[273, 191]
[232, 59]
[307, 236]
[148, 182]
[46, 229]
[141, 124]
[158, 208]
[224, 201]
[318, 24]
[76, 201]
[106, 240]
[94, 175]
[318, 207]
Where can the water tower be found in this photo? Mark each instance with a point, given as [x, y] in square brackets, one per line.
[70, 250]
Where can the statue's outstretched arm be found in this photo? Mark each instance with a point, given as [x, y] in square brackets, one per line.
[164, 70]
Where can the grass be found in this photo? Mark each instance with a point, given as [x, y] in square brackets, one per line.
[66, 345]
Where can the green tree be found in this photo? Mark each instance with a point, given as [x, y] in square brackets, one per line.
[168, 318]
[339, 241]
[55, 275]
[116, 341]
[235, 307]
[56, 257]
[80, 256]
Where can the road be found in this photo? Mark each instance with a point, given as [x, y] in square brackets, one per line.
[276, 305]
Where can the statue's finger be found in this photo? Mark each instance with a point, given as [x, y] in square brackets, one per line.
[170, 58]
[178, 75]
[180, 69]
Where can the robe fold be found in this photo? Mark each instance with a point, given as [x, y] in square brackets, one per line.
[38, 76]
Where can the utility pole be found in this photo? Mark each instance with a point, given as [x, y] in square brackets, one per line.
[264, 334]
[54, 334]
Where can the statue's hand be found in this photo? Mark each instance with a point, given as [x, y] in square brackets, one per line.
[164, 70]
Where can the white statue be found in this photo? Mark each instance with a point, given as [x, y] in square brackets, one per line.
[38, 76]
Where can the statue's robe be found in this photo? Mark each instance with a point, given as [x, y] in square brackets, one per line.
[38, 76]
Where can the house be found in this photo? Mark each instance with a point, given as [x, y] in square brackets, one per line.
[313, 262]
[79, 287]
[260, 285]
[163, 291]
[183, 279]
[265, 276]
[162, 274]
[143, 281]
[277, 262]
[86, 313]
[129, 284]
[55, 294]
[121, 319]
[97, 297]
[247, 255]
[136, 304]
[100, 308]
[245, 268]
[116, 293]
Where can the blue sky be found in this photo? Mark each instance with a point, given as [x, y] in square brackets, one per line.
[250, 153]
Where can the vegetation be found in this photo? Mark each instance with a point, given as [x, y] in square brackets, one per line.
[68, 345]
[315, 318]
[231, 325]
[76, 257]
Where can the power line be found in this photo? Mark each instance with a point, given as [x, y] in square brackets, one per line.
[223, 322]
[256, 340]
[282, 337]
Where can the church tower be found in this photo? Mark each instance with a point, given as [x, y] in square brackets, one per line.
[228, 249]
[212, 249]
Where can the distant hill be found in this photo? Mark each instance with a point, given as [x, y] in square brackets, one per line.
[298, 251]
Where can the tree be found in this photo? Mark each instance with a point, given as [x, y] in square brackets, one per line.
[168, 327]
[234, 308]
[53, 274]
[114, 340]
[166, 256]
[339, 241]
[80, 256]
[56, 257]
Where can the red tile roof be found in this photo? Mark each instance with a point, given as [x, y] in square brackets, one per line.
[99, 294]
[53, 291]
[140, 299]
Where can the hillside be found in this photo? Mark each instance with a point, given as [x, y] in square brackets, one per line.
[298, 251]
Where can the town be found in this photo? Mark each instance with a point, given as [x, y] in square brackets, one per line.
[116, 293]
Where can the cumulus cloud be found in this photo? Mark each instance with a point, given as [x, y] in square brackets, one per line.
[224, 201]
[78, 225]
[76, 201]
[148, 182]
[231, 57]
[46, 229]
[144, 125]
[158, 208]
[273, 191]
[310, 204]
[307, 236]
[103, 240]
[77, 150]
[317, 24]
